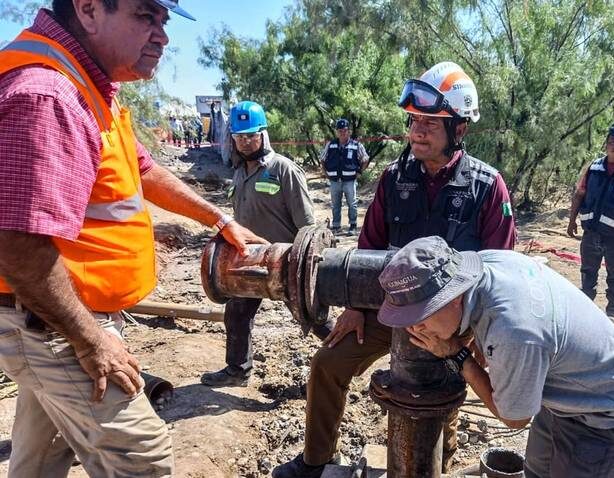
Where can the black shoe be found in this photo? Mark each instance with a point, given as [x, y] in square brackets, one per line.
[297, 468]
[227, 377]
[352, 230]
[335, 229]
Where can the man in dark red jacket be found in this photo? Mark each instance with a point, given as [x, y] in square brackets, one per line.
[434, 188]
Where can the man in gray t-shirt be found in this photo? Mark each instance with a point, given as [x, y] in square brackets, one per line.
[548, 348]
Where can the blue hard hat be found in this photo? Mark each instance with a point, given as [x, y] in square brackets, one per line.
[342, 123]
[247, 117]
[173, 6]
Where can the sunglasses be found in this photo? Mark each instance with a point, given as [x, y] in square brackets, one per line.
[425, 98]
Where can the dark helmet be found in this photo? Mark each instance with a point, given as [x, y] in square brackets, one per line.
[342, 123]
[611, 131]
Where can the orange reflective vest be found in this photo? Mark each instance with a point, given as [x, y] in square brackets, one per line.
[112, 262]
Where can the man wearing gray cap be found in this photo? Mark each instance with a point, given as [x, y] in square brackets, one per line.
[548, 348]
[76, 239]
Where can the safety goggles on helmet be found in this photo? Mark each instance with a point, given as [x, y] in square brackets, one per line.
[425, 98]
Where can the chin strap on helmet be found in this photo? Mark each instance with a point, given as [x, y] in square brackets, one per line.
[453, 146]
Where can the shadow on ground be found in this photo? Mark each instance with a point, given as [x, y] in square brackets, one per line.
[197, 400]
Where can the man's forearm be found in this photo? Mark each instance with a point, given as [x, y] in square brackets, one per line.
[34, 269]
[479, 381]
[164, 189]
[576, 202]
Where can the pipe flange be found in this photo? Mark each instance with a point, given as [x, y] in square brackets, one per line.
[322, 238]
[418, 403]
[296, 274]
[207, 270]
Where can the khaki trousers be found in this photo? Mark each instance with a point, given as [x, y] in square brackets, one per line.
[119, 437]
[331, 373]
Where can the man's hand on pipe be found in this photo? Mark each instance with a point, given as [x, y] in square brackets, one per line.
[240, 237]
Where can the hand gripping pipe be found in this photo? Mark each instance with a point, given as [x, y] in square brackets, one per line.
[312, 275]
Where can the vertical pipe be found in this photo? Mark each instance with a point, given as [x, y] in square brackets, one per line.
[414, 443]
[415, 446]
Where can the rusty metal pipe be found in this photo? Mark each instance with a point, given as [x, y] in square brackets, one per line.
[419, 392]
[311, 275]
[262, 274]
[349, 277]
[156, 387]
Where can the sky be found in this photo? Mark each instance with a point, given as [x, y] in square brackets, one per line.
[181, 76]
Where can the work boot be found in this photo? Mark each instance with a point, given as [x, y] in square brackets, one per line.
[297, 468]
[352, 230]
[229, 376]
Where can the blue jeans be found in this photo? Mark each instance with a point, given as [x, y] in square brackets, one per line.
[337, 190]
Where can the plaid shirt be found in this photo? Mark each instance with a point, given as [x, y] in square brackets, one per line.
[50, 143]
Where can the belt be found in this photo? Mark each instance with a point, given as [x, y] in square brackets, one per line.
[33, 321]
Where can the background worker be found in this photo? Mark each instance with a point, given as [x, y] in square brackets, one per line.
[76, 240]
[269, 195]
[177, 130]
[437, 188]
[594, 200]
[343, 159]
[520, 312]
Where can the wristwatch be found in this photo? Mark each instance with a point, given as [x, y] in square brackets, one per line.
[455, 362]
[223, 221]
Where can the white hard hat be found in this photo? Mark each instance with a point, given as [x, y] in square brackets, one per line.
[453, 83]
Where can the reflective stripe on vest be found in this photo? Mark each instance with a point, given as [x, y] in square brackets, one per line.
[608, 221]
[269, 188]
[112, 261]
[116, 211]
[36, 47]
[586, 217]
[112, 211]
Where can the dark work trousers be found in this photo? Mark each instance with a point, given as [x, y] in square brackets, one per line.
[563, 447]
[332, 370]
[239, 321]
[594, 248]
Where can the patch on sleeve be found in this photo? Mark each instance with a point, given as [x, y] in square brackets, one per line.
[507, 209]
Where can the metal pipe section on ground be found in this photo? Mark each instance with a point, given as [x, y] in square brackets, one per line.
[312, 275]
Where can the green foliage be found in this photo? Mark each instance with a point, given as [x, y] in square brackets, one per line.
[140, 98]
[544, 70]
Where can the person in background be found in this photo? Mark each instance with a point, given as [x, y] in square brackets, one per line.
[594, 201]
[343, 159]
[269, 195]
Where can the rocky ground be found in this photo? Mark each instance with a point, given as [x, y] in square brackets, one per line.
[245, 432]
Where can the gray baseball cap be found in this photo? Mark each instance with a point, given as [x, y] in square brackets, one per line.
[423, 277]
[173, 6]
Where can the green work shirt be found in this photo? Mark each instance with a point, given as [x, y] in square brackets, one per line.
[272, 201]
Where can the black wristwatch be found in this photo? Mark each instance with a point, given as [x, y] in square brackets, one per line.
[455, 362]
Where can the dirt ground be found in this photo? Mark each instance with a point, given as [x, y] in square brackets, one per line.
[245, 432]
